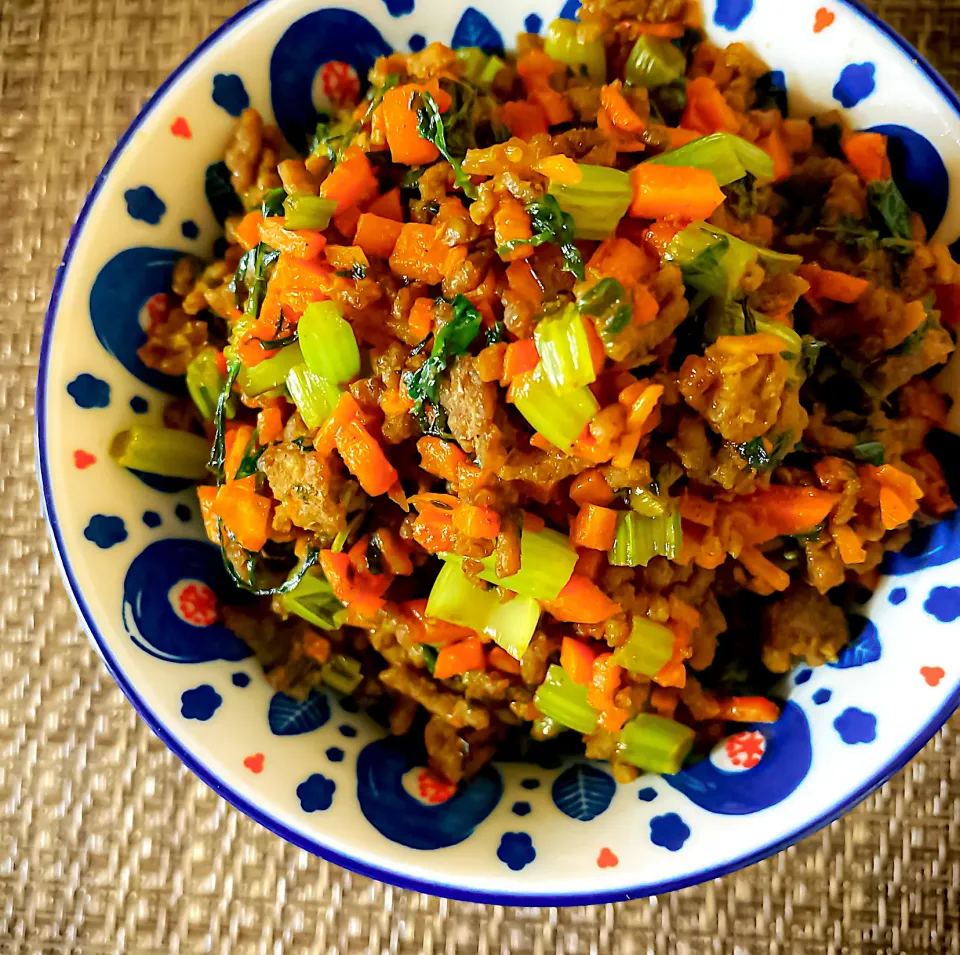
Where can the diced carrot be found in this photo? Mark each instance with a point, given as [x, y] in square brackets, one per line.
[760, 343]
[523, 280]
[626, 448]
[433, 537]
[748, 709]
[432, 630]
[764, 569]
[590, 563]
[402, 128]
[670, 30]
[235, 442]
[867, 153]
[600, 694]
[248, 231]
[345, 220]
[440, 458]
[364, 458]
[674, 672]
[774, 147]
[316, 647]
[339, 573]
[302, 244]
[789, 510]
[346, 258]
[641, 402]
[456, 658]
[621, 113]
[421, 317]
[836, 286]
[524, 119]
[899, 494]
[395, 552]
[535, 66]
[387, 206]
[244, 513]
[620, 259]
[679, 136]
[410, 253]
[377, 235]
[848, 544]
[519, 358]
[499, 658]
[582, 601]
[678, 191]
[576, 658]
[797, 135]
[479, 522]
[207, 496]
[707, 110]
[590, 487]
[269, 425]
[697, 509]
[554, 104]
[511, 223]
[594, 527]
[352, 181]
[442, 259]
[490, 362]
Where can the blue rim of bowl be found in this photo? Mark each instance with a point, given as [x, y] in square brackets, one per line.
[260, 816]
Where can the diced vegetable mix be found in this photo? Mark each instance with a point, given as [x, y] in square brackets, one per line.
[562, 390]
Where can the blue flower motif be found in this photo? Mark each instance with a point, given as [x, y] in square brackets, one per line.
[730, 14]
[347, 730]
[802, 677]
[138, 405]
[569, 10]
[240, 679]
[145, 205]
[943, 603]
[89, 391]
[230, 94]
[398, 8]
[200, 703]
[856, 83]
[316, 793]
[105, 530]
[290, 717]
[863, 649]
[898, 595]
[335, 754]
[647, 794]
[521, 808]
[516, 850]
[189, 229]
[821, 697]
[475, 29]
[533, 23]
[152, 519]
[669, 831]
[530, 783]
[182, 512]
[417, 42]
[856, 726]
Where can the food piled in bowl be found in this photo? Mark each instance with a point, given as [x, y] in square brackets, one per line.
[572, 394]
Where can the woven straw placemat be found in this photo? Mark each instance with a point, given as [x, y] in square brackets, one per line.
[107, 844]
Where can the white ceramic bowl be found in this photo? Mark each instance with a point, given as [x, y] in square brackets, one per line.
[321, 775]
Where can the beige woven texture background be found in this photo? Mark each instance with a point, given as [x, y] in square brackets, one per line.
[107, 844]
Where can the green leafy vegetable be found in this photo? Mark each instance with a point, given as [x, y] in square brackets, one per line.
[218, 448]
[272, 202]
[597, 203]
[204, 383]
[313, 600]
[497, 332]
[252, 274]
[549, 223]
[742, 202]
[611, 304]
[452, 340]
[760, 458]
[430, 126]
[810, 354]
[332, 139]
[873, 452]
[654, 62]
[163, 451]
[249, 583]
[342, 674]
[668, 102]
[728, 157]
[889, 210]
[302, 211]
[430, 654]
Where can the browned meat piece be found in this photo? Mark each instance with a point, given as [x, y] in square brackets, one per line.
[802, 623]
[935, 348]
[314, 493]
[470, 405]
[453, 709]
[445, 749]
[740, 395]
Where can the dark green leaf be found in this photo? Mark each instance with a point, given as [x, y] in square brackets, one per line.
[771, 92]
[452, 340]
[829, 136]
[691, 39]
[760, 458]
[706, 263]
[889, 210]
[430, 654]
[549, 223]
[497, 332]
[742, 200]
[272, 204]
[430, 126]
[218, 448]
[611, 304]
[222, 197]
[873, 452]
[357, 272]
[268, 344]
[249, 583]
[251, 455]
[668, 102]
[809, 354]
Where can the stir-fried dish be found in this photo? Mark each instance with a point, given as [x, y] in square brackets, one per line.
[571, 392]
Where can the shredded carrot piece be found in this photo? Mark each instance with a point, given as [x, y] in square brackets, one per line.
[765, 570]
[501, 660]
[620, 112]
[848, 544]
[594, 527]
